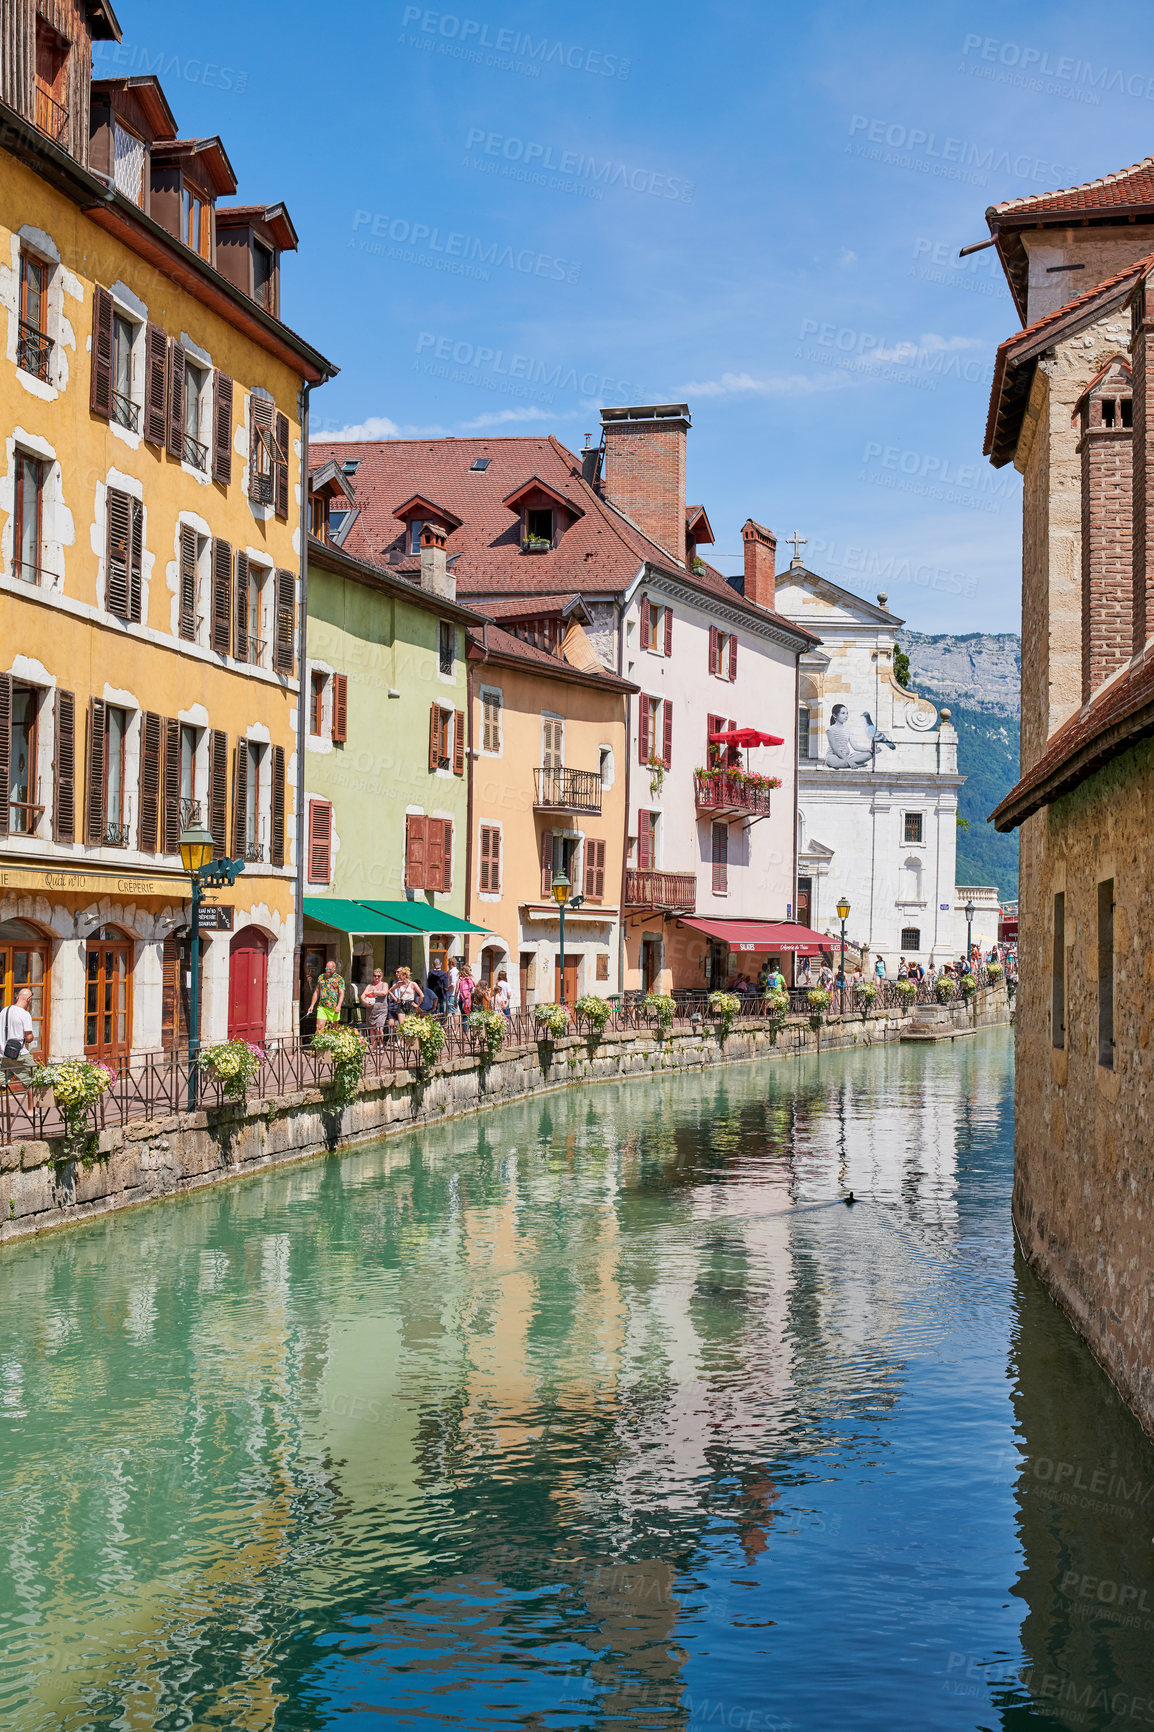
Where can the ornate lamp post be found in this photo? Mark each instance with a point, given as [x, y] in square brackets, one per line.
[561, 897]
[969, 933]
[843, 916]
[196, 851]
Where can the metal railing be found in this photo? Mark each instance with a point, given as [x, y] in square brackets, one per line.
[568, 790]
[33, 350]
[125, 412]
[250, 649]
[116, 835]
[715, 792]
[195, 453]
[51, 116]
[648, 888]
[253, 851]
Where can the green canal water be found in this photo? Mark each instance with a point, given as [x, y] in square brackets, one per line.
[600, 1411]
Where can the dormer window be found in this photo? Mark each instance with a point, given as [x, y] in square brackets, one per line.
[318, 518]
[415, 528]
[263, 269]
[538, 529]
[192, 221]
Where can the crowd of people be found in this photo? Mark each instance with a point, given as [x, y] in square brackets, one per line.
[379, 1006]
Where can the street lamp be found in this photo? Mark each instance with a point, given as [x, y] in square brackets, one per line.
[843, 916]
[969, 932]
[197, 848]
[561, 897]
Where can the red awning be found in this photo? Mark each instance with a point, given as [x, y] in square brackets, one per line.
[769, 935]
[745, 737]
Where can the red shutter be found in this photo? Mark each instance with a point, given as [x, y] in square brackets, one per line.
[156, 385]
[434, 854]
[547, 864]
[118, 506]
[416, 828]
[669, 631]
[446, 852]
[714, 648]
[434, 736]
[667, 735]
[643, 729]
[5, 748]
[97, 745]
[340, 708]
[733, 655]
[101, 393]
[218, 790]
[320, 841]
[646, 623]
[458, 742]
[175, 399]
[240, 621]
[286, 617]
[594, 870]
[645, 841]
[221, 597]
[239, 796]
[281, 479]
[221, 427]
[278, 806]
[171, 843]
[63, 770]
[149, 799]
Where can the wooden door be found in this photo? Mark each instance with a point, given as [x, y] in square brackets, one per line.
[650, 963]
[108, 999]
[526, 960]
[571, 993]
[248, 986]
[25, 960]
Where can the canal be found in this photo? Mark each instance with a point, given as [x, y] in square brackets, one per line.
[598, 1411]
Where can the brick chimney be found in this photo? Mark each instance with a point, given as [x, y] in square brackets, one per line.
[1106, 450]
[1142, 457]
[435, 574]
[645, 470]
[760, 563]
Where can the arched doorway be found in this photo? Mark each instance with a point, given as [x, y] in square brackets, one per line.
[108, 995]
[25, 960]
[248, 985]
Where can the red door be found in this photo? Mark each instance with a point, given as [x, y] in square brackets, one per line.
[248, 985]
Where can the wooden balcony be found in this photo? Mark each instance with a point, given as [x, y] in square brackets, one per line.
[567, 790]
[51, 116]
[721, 796]
[648, 888]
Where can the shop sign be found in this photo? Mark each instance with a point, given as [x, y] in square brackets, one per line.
[214, 918]
[88, 883]
[744, 946]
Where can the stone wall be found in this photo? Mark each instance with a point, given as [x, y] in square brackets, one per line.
[150, 1159]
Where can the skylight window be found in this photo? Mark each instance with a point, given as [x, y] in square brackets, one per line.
[480, 463]
[350, 466]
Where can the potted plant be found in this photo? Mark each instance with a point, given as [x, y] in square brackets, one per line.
[77, 1084]
[866, 992]
[551, 1019]
[776, 1011]
[944, 989]
[489, 1027]
[232, 1065]
[427, 1035]
[535, 544]
[819, 1001]
[594, 1013]
[345, 1049]
[969, 985]
[725, 1007]
[995, 970]
[656, 769]
[661, 1010]
[907, 991]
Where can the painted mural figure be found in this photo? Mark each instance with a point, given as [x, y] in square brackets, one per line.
[843, 752]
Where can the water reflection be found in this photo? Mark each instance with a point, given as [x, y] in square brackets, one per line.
[602, 1411]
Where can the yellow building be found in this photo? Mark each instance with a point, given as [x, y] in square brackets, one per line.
[150, 514]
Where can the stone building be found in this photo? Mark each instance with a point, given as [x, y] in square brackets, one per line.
[1071, 408]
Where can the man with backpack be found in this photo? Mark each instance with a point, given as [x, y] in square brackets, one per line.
[16, 1036]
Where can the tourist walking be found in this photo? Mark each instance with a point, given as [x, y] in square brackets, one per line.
[454, 982]
[329, 996]
[404, 995]
[502, 997]
[16, 1037]
[375, 999]
[465, 989]
[437, 982]
[880, 968]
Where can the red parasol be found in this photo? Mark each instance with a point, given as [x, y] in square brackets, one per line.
[745, 737]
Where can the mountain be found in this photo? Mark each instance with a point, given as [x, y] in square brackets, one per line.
[978, 678]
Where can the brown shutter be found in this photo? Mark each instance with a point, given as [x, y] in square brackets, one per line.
[490, 858]
[97, 745]
[278, 806]
[646, 624]
[458, 742]
[218, 790]
[101, 397]
[340, 709]
[118, 506]
[149, 801]
[667, 735]
[320, 842]
[188, 543]
[171, 786]
[221, 427]
[434, 736]
[136, 561]
[63, 770]
[415, 852]
[546, 864]
[259, 423]
[156, 385]
[175, 399]
[446, 853]
[669, 631]
[221, 597]
[239, 796]
[714, 649]
[733, 655]
[286, 615]
[434, 854]
[595, 870]
[5, 748]
[645, 841]
[281, 479]
[240, 610]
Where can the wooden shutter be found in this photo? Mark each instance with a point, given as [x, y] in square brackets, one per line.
[595, 870]
[171, 786]
[490, 858]
[281, 488]
[221, 427]
[667, 735]
[340, 708]
[239, 796]
[320, 842]
[135, 560]
[149, 800]
[643, 729]
[188, 546]
[155, 384]
[645, 841]
[720, 857]
[240, 609]
[434, 853]
[176, 384]
[646, 623]
[669, 631]
[5, 748]
[101, 395]
[97, 745]
[286, 622]
[547, 864]
[221, 597]
[445, 826]
[714, 649]
[434, 736]
[118, 506]
[218, 790]
[458, 742]
[416, 828]
[259, 433]
[733, 655]
[63, 770]
[276, 850]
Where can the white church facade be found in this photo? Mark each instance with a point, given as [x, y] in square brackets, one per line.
[877, 783]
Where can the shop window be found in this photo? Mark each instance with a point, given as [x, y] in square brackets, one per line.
[25, 960]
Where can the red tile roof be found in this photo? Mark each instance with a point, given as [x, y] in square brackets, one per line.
[498, 644]
[1131, 188]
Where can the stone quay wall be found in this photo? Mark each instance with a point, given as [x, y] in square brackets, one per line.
[43, 1187]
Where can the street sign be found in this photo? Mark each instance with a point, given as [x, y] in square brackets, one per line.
[214, 918]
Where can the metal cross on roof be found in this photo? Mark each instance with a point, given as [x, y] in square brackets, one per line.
[799, 542]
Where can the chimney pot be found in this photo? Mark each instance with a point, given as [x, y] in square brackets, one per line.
[760, 547]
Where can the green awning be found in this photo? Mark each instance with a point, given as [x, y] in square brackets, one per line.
[355, 918]
[420, 917]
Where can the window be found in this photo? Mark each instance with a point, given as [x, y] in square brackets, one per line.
[115, 803]
[251, 838]
[720, 859]
[189, 784]
[263, 276]
[1106, 973]
[125, 412]
[656, 627]
[108, 995]
[33, 345]
[250, 644]
[552, 743]
[594, 870]
[193, 557]
[195, 221]
[320, 842]
[480, 463]
[655, 731]
[648, 838]
[911, 938]
[440, 737]
[490, 721]
[318, 517]
[489, 878]
[803, 731]
[268, 454]
[446, 646]
[28, 527]
[125, 555]
[24, 809]
[195, 451]
[1058, 993]
[606, 766]
[912, 827]
[539, 528]
[722, 653]
[428, 852]
[415, 527]
[128, 161]
[317, 684]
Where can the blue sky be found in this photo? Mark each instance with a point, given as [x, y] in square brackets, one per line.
[754, 208]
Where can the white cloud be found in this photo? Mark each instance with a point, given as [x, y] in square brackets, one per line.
[904, 354]
[778, 385]
[374, 427]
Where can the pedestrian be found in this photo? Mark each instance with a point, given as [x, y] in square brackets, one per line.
[454, 982]
[437, 982]
[502, 997]
[465, 988]
[777, 979]
[880, 968]
[329, 996]
[404, 995]
[16, 1036]
[375, 998]
[903, 968]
